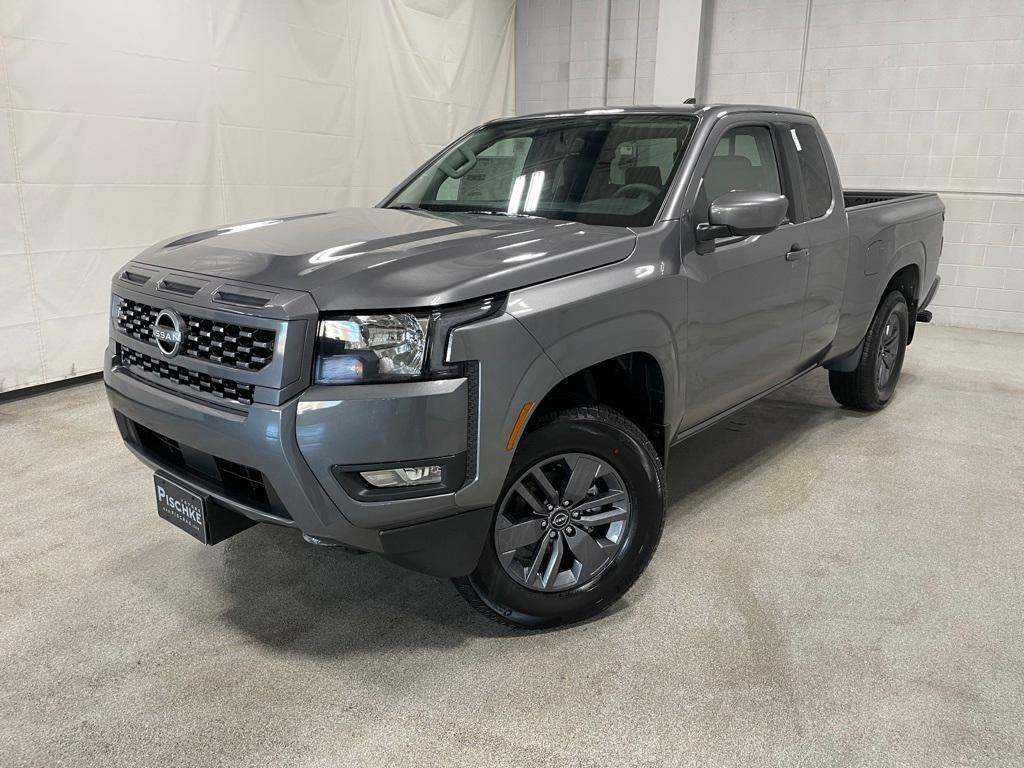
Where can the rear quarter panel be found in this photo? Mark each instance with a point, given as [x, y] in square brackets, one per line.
[885, 237]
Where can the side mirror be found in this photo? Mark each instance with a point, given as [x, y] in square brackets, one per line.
[739, 214]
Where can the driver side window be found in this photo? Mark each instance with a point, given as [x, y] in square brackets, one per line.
[744, 160]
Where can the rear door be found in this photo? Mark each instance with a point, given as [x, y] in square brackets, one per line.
[827, 234]
[744, 298]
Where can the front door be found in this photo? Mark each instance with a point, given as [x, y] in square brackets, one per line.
[744, 298]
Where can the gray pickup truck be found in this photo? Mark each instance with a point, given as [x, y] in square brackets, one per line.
[481, 377]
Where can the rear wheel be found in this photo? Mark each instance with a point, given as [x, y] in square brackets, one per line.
[871, 385]
[578, 520]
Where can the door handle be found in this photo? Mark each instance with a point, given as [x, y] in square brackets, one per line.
[795, 254]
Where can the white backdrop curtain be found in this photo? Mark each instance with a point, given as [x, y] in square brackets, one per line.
[125, 121]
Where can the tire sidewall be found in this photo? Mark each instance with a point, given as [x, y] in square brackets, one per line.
[895, 301]
[642, 475]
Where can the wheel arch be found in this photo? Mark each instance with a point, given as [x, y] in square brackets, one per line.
[904, 274]
[631, 383]
[907, 280]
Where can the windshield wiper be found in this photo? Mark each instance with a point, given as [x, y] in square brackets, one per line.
[487, 212]
[480, 211]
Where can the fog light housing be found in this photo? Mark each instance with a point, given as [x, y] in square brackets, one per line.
[401, 477]
[429, 476]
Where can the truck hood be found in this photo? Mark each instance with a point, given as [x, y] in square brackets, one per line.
[377, 258]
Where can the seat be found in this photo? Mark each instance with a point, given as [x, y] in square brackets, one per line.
[644, 174]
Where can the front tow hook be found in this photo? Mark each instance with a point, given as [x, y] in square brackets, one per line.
[322, 542]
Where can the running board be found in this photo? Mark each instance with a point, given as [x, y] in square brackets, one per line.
[924, 316]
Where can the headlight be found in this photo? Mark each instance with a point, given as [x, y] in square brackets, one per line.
[353, 349]
[360, 348]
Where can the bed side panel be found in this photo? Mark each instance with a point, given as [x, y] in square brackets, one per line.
[884, 238]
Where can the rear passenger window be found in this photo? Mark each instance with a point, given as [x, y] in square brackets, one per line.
[813, 169]
[744, 160]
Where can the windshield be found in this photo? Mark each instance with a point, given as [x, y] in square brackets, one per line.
[597, 169]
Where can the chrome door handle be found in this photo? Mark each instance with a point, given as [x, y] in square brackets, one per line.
[796, 254]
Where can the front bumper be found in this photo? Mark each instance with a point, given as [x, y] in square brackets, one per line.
[295, 446]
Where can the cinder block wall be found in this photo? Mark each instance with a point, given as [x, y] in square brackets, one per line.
[915, 94]
[573, 54]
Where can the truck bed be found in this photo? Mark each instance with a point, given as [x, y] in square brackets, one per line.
[857, 198]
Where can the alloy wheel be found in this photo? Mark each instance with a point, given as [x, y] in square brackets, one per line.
[562, 522]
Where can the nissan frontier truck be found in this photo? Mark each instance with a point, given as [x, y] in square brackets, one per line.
[481, 377]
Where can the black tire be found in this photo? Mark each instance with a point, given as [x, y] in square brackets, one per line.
[624, 454]
[871, 385]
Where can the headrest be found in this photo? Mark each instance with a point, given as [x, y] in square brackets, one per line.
[727, 173]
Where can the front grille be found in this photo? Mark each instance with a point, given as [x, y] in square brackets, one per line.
[136, 319]
[162, 447]
[239, 346]
[225, 389]
[243, 481]
[238, 481]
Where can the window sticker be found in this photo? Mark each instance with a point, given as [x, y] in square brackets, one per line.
[792, 132]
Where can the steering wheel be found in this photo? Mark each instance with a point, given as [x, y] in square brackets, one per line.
[637, 189]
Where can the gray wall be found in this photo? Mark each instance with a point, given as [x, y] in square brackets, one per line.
[584, 53]
[918, 94]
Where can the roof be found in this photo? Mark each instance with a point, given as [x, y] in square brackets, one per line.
[680, 109]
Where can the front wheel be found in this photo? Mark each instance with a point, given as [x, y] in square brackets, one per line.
[871, 385]
[577, 522]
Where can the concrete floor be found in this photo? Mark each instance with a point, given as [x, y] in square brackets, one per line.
[831, 589]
